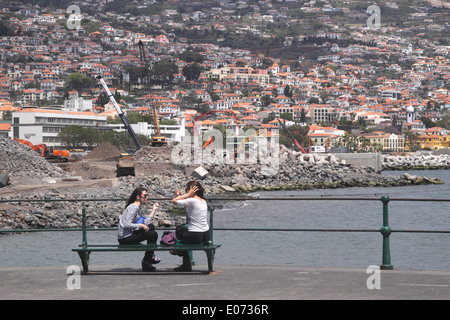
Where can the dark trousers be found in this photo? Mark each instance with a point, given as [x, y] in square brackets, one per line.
[190, 237]
[140, 235]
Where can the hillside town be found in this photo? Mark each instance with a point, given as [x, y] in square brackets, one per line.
[265, 65]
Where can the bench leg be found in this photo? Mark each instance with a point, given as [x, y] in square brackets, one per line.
[191, 257]
[84, 256]
[210, 257]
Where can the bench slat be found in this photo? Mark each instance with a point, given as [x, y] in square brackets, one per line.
[106, 247]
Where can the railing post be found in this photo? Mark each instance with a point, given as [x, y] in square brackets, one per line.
[386, 231]
[83, 227]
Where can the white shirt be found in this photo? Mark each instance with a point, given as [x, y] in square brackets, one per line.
[197, 211]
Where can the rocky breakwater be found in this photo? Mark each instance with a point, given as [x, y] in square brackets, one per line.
[419, 161]
[297, 171]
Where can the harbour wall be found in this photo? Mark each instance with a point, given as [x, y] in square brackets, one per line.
[361, 159]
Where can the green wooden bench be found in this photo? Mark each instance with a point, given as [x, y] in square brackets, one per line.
[85, 249]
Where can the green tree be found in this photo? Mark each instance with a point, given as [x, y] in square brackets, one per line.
[303, 116]
[300, 133]
[192, 71]
[78, 137]
[266, 100]
[428, 122]
[351, 142]
[6, 30]
[7, 115]
[78, 82]
[444, 122]
[132, 117]
[190, 56]
[286, 116]
[163, 72]
[288, 92]
[102, 99]
[117, 96]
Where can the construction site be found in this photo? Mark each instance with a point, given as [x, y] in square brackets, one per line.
[29, 176]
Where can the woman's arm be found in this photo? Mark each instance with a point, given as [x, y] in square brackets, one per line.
[128, 218]
[189, 194]
[155, 207]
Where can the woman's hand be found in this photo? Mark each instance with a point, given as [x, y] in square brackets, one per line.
[145, 227]
[155, 207]
[192, 191]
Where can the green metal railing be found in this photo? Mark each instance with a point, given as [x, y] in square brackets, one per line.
[385, 229]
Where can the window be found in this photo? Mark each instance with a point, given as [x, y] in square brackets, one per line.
[16, 132]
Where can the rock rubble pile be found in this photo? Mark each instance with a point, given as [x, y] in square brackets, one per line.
[22, 163]
[105, 151]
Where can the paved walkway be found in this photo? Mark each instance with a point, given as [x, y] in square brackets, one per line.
[226, 283]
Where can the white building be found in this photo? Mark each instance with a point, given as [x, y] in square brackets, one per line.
[410, 116]
[44, 125]
[173, 133]
[78, 104]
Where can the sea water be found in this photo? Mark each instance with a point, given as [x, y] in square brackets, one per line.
[287, 248]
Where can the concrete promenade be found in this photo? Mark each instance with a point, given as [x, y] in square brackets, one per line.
[226, 283]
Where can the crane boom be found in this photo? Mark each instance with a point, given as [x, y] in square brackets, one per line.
[291, 136]
[219, 111]
[121, 114]
[157, 138]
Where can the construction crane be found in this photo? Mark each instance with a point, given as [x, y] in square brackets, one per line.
[121, 114]
[261, 132]
[157, 138]
[291, 136]
[218, 111]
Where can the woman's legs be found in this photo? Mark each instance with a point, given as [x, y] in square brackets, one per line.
[190, 238]
[137, 237]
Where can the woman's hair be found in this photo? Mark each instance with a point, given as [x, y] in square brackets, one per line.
[200, 192]
[137, 192]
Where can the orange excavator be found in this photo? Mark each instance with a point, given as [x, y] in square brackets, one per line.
[209, 142]
[48, 153]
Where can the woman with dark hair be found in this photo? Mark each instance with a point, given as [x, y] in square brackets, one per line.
[135, 228]
[197, 211]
